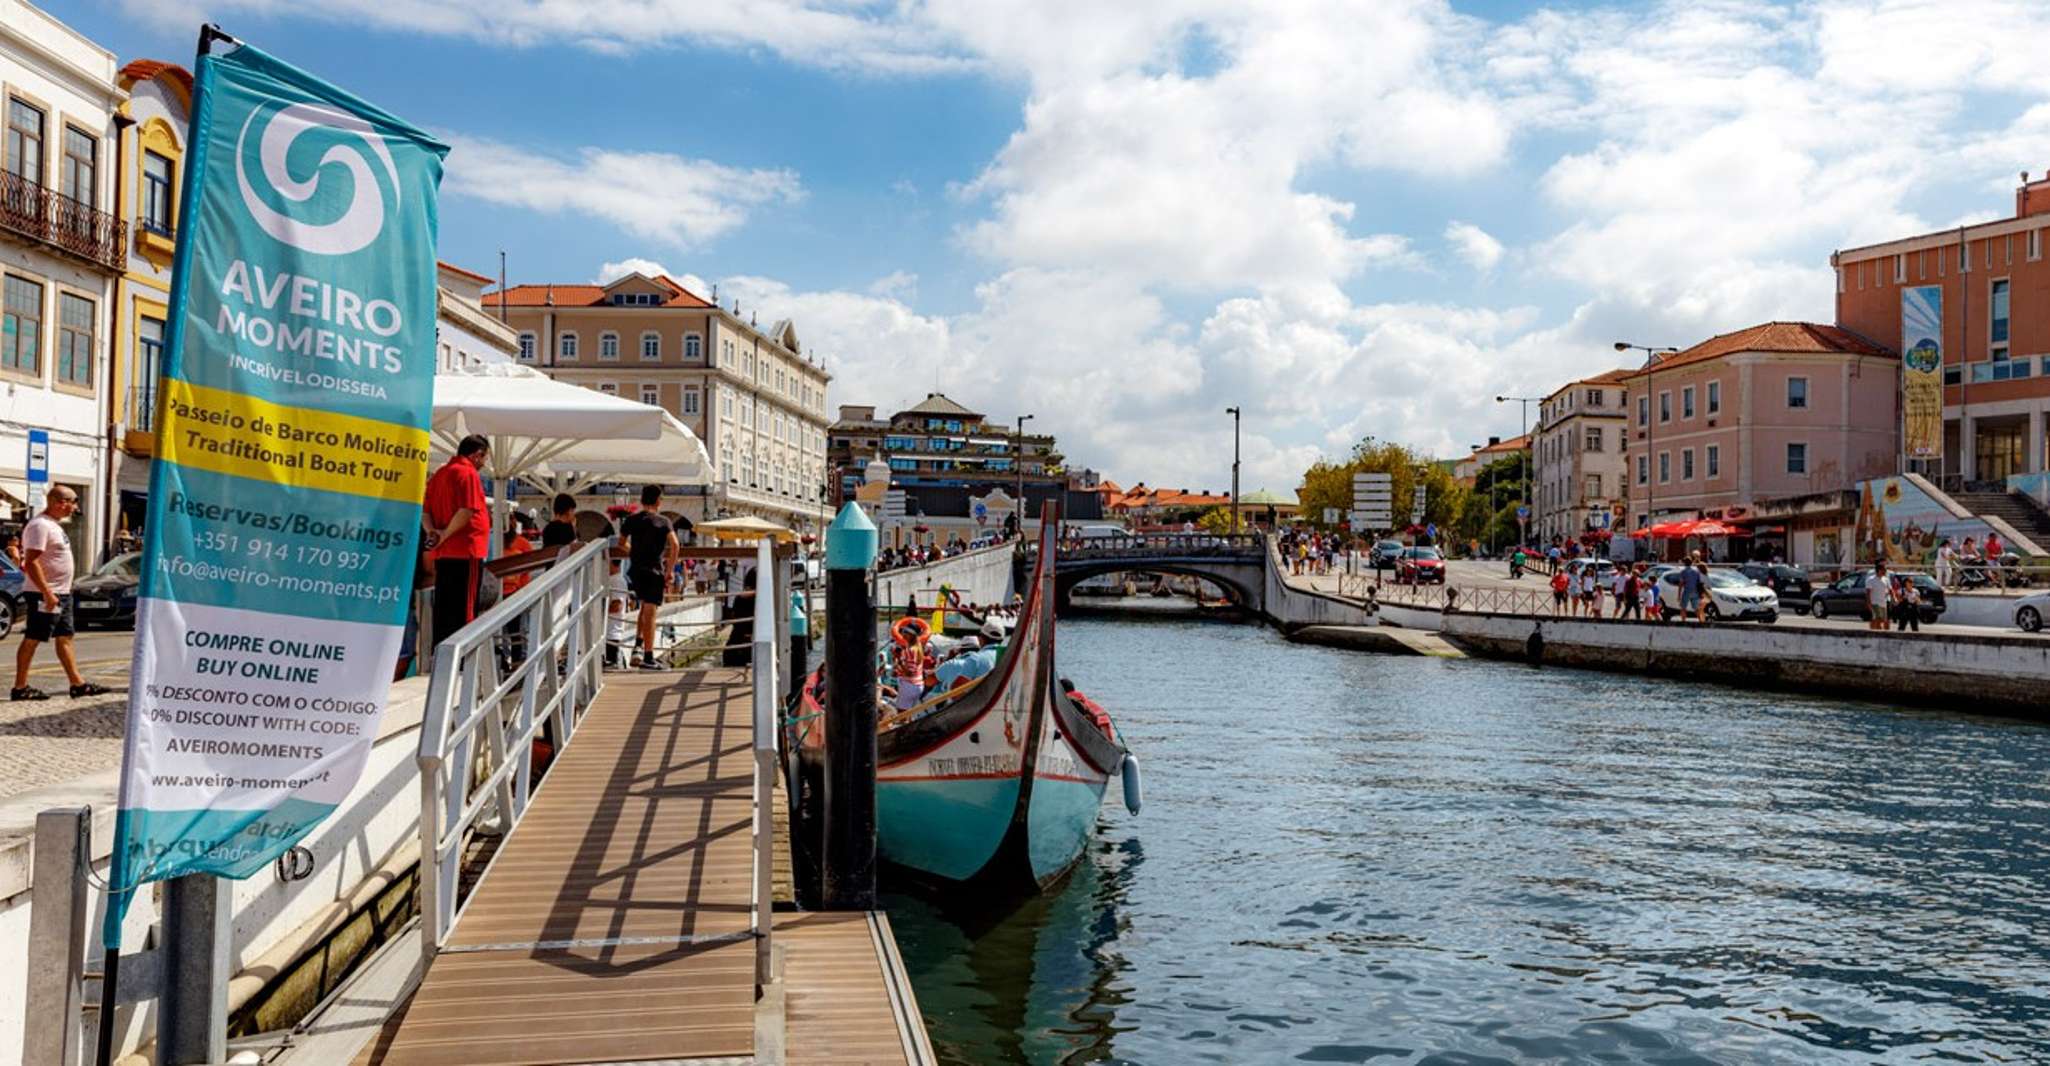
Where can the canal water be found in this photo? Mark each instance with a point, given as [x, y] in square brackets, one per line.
[1353, 858]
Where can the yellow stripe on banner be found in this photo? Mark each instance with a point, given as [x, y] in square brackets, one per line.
[232, 433]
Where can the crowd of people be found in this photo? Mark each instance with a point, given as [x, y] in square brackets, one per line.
[1310, 552]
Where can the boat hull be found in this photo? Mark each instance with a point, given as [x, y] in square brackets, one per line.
[1002, 789]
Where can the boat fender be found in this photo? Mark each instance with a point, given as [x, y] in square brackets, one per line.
[1128, 768]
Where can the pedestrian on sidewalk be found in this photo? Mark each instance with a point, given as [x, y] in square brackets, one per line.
[1559, 592]
[1692, 578]
[1879, 598]
[1627, 605]
[1907, 604]
[651, 551]
[46, 562]
[1648, 593]
[1946, 564]
[459, 535]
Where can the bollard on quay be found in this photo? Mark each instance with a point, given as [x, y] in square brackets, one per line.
[848, 873]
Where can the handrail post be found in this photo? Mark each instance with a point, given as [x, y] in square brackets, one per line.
[767, 605]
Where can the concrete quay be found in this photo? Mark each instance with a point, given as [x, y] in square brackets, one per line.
[1948, 666]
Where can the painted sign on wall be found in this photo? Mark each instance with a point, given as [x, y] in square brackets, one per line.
[285, 499]
[1922, 372]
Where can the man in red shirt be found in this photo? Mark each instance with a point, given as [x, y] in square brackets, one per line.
[458, 520]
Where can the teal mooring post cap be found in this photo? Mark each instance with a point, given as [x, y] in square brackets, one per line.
[851, 540]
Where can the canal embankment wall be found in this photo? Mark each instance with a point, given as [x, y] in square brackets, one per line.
[1995, 673]
[979, 577]
[1290, 608]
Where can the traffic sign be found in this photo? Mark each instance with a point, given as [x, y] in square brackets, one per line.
[1369, 478]
[1523, 514]
[38, 467]
[1381, 496]
[1372, 519]
[1330, 516]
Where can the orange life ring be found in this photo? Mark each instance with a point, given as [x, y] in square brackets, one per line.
[922, 627]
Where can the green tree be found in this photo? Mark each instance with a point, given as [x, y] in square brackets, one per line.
[1215, 520]
[1328, 483]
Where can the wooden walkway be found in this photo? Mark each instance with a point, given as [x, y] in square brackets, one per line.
[612, 926]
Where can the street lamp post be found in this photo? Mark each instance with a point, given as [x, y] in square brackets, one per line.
[1235, 414]
[1651, 355]
[1018, 463]
[1523, 459]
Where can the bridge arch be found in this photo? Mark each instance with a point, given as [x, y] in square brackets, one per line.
[1236, 587]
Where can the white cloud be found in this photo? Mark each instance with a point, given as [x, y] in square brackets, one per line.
[897, 285]
[655, 196]
[1474, 245]
[1187, 215]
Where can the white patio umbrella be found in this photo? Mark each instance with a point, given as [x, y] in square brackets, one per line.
[561, 437]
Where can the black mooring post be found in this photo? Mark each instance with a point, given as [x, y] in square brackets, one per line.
[848, 873]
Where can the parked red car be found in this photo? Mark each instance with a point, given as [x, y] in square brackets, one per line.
[1417, 566]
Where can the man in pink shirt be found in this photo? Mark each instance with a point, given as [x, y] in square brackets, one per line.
[46, 562]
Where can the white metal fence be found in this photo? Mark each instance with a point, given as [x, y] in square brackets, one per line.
[533, 662]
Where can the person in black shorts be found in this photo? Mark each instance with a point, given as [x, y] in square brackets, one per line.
[651, 553]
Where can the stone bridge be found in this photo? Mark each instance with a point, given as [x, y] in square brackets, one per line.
[1234, 564]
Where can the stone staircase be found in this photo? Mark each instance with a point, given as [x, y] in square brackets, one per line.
[2015, 509]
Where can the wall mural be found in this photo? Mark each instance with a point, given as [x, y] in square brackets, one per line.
[2035, 485]
[1896, 515]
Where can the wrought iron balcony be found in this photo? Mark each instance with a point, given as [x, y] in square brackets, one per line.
[32, 210]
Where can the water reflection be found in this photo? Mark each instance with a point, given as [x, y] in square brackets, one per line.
[1348, 858]
[1039, 984]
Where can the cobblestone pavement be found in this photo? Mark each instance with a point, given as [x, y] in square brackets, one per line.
[56, 740]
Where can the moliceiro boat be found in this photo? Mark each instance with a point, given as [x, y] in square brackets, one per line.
[996, 783]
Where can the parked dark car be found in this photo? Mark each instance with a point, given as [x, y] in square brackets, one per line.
[1789, 582]
[106, 597]
[1846, 598]
[12, 581]
[1383, 554]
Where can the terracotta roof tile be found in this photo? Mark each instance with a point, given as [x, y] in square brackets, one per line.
[585, 295]
[1773, 337]
[454, 269]
[145, 69]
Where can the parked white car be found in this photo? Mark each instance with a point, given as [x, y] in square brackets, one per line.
[1731, 597]
[2031, 611]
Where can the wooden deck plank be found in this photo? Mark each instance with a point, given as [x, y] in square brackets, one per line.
[642, 829]
[837, 1007]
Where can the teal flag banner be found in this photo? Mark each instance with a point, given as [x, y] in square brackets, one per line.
[284, 503]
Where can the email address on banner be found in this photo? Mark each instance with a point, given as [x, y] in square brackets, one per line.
[206, 570]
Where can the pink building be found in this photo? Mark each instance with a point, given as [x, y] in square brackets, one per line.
[1779, 410]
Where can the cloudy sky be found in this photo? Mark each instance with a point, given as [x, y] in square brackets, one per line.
[1365, 217]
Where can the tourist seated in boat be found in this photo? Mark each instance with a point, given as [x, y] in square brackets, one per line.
[972, 663]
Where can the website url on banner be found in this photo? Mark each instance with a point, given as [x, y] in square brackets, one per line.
[207, 570]
[230, 781]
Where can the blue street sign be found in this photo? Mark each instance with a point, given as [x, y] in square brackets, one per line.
[39, 457]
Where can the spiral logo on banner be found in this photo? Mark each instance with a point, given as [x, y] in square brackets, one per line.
[360, 221]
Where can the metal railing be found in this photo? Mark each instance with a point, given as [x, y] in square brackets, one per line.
[1155, 545]
[477, 733]
[38, 212]
[768, 603]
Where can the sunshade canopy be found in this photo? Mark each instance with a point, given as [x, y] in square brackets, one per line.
[746, 527]
[562, 437]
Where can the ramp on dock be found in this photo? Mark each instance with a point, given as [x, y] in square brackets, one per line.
[613, 924]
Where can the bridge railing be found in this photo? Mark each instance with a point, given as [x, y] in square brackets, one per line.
[1154, 545]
